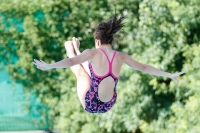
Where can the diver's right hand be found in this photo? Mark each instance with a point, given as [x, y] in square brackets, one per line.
[41, 65]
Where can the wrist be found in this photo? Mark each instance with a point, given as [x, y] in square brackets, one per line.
[169, 75]
[50, 66]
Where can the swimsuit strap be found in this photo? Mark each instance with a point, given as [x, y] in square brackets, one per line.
[110, 62]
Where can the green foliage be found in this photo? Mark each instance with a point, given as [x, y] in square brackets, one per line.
[161, 33]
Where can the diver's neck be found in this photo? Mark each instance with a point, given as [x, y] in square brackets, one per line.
[107, 47]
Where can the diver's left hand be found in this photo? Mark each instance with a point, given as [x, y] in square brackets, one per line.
[175, 76]
[41, 65]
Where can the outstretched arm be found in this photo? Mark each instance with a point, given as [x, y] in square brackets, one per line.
[65, 63]
[147, 68]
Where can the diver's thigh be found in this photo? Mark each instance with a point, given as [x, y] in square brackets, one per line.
[83, 85]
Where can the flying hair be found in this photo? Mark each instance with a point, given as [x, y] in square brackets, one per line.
[105, 30]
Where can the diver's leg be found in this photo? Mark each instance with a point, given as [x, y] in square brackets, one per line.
[76, 44]
[83, 79]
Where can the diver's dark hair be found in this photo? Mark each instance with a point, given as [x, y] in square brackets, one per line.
[105, 30]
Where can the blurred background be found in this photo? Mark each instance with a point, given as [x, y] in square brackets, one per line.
[161, 33]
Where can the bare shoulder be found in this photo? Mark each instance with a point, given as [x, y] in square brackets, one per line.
[90, 51]
[122, 55]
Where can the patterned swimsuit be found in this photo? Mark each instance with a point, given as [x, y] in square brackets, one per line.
[92, 102]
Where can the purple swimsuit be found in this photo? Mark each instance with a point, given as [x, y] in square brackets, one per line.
[92, 102]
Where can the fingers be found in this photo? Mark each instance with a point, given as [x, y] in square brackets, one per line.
[38, 63]
[182, 72]
[43, 61]
[34, 63]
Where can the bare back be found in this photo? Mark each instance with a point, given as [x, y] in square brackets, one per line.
[100, 65]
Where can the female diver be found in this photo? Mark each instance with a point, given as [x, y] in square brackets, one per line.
[97, 70]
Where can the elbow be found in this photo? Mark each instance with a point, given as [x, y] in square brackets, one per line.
[144, 67]
[70, 62]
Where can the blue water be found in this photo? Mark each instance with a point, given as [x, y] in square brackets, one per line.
[11, 96]
[14, 115]
[13, 112]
